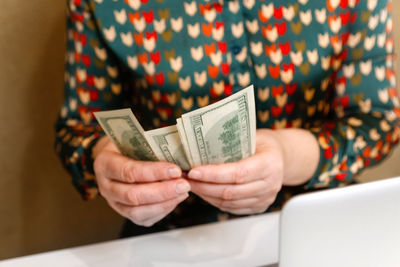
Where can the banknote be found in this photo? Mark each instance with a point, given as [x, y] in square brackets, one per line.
[182, 135]
[126, 133]
[166, 144]
[221, 132]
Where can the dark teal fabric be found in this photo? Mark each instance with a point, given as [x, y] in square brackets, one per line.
[326, 66]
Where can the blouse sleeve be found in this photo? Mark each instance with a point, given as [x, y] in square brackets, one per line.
[92, 82]
[364, 103]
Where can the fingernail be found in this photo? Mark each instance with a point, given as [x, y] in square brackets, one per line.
[174, 172]
[194, 174]
[182, 187]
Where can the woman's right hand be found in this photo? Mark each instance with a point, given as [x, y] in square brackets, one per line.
[142, 191]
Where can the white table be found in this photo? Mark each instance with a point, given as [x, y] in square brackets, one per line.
[250, 241]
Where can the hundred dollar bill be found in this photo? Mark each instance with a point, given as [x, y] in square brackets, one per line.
[224, 131]
[182, 135]
[127, 134]
[167, 146]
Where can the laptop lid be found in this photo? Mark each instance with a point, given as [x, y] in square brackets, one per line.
[358, 225]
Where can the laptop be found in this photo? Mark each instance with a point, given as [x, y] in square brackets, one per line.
[358, 225]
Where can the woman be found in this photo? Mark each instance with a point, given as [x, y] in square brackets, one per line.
[324, 82]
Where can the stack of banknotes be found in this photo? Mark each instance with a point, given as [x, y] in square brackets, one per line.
[218, 133]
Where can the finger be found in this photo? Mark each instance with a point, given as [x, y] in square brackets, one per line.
[244, 210]
[146, 193]
[116, 166]
[103, 143]
[153, 220]
[147, 215]
[243, 171]
[232, 204]
[229, 191]
[168, 208]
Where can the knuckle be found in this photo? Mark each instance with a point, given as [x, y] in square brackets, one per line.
[128, 172]
[132, 197]
[227, 194]
[274, 187]
[159, 170]
[166, 190]
[235, 205]
[166, 208]
[102, 192]
[110, 145]
[226, 204]
[98, 163]
[240, 173]
[137, 172]
[101, 182]
[102, 187]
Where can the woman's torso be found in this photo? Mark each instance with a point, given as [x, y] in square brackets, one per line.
[183, 55]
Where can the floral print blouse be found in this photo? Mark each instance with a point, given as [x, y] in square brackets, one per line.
[322, 65]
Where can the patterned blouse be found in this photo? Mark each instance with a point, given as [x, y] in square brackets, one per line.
[322, 65]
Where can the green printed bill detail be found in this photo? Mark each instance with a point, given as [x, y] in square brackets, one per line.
[166, 144]
[126, 133]
[219, 133]
[222, 132]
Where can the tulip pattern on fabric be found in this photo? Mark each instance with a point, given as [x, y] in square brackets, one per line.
[322, 65]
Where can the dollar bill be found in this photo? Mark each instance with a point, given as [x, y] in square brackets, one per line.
[219, 133]
[222, 132]
[167, 146]
[184, 141]
[126, 133]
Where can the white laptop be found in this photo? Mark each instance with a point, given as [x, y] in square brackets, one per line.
[358, 225]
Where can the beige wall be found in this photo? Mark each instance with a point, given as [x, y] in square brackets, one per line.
[39, 209]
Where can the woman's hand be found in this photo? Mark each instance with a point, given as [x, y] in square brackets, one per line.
[144, 192]
[250, 186]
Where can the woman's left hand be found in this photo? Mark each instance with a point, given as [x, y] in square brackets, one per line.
[248, 186]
